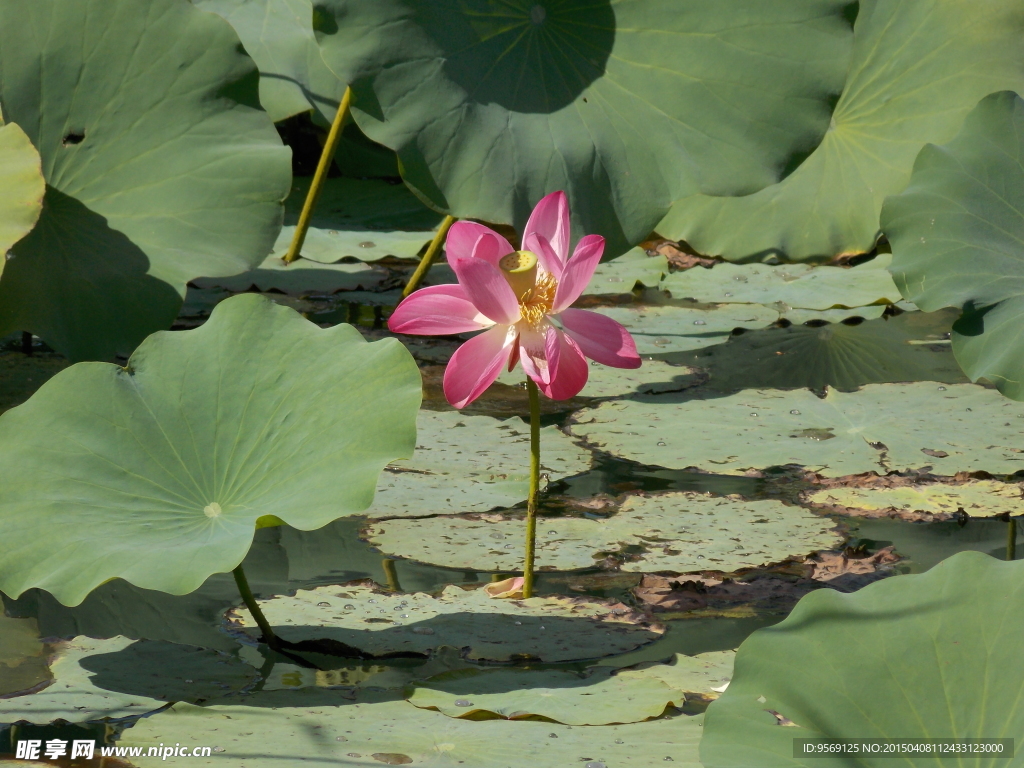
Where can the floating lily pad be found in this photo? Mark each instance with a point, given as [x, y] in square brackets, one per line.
[471, 464]
[278, 34]
[550, 629]
[680, 532]
[393, 674]
[315, 728]
[329, 246]
[102, 680]
[21, 186]
[654, 376]
[936, 501]
[917, 70]
[489, 105]
[679, 329]
[301, 277]
[599, 698]
[915, 657]
[23, 662]
[956, 233]
[797, 285]
[844, 356]
[363, 205]
[705, 675]
[817, 316]
[160, 166]
[621, 275]
[167, 464]
[881, 428]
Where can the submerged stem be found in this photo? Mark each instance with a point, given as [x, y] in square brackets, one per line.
[250, 602]
[531, 508]
[428, 258]
[326, 156]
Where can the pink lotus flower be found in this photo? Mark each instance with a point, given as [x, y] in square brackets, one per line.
[523, 299]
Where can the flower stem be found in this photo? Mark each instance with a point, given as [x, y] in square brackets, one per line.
[250, 602]
[428, 258]
[531, 505]
[1011, 537]
[326, 156]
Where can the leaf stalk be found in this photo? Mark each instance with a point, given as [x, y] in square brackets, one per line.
[250, 602]
[428, 258]
[326, 157]
[531, 505]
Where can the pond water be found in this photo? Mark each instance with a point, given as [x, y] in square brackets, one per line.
[283, 560]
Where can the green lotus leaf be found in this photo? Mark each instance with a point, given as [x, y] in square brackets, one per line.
[917, 70]
[679, 533]
[659, 329]
[818, 316]
[24, 665]
[621, 274]
[922, 656]
[599, 698]
[352, 206]
[301, 277]
[21, 375]
[329, 246]
[654, 376]
[625, 105]
[956, 233]
[393, 674]
[799, 286]
[104, 680]
[275, 728]
[168, 464]
[937, 501]
[471, 464]
[705, 675]
[880, 428]
[487, 629]
[845, 356]
[278, 34]
[19, 640]
[159, 166]
[21, 186]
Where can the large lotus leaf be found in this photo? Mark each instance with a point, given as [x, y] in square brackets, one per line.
[624, 104]
[924, 656]
[21, 187]
[706, 674]
[845, 356]
[978, 498]
[957, 234]
[167, 464]
[679, 532]
[918, 68]
[599, 698]
[550, 629]
[660, 329]
[100, 680]
[278, 34]
[350, 204]
[654, 376]
[159, 166]
[314, 728]
[798, 286]
[471, 464]
[881, 428]
[621, 274]
[300, 277]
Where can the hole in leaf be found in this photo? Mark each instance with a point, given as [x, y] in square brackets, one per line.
[74, 137]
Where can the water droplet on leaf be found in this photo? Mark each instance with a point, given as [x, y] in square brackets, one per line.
[463, 703]
[323, 605]
[795, 412]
